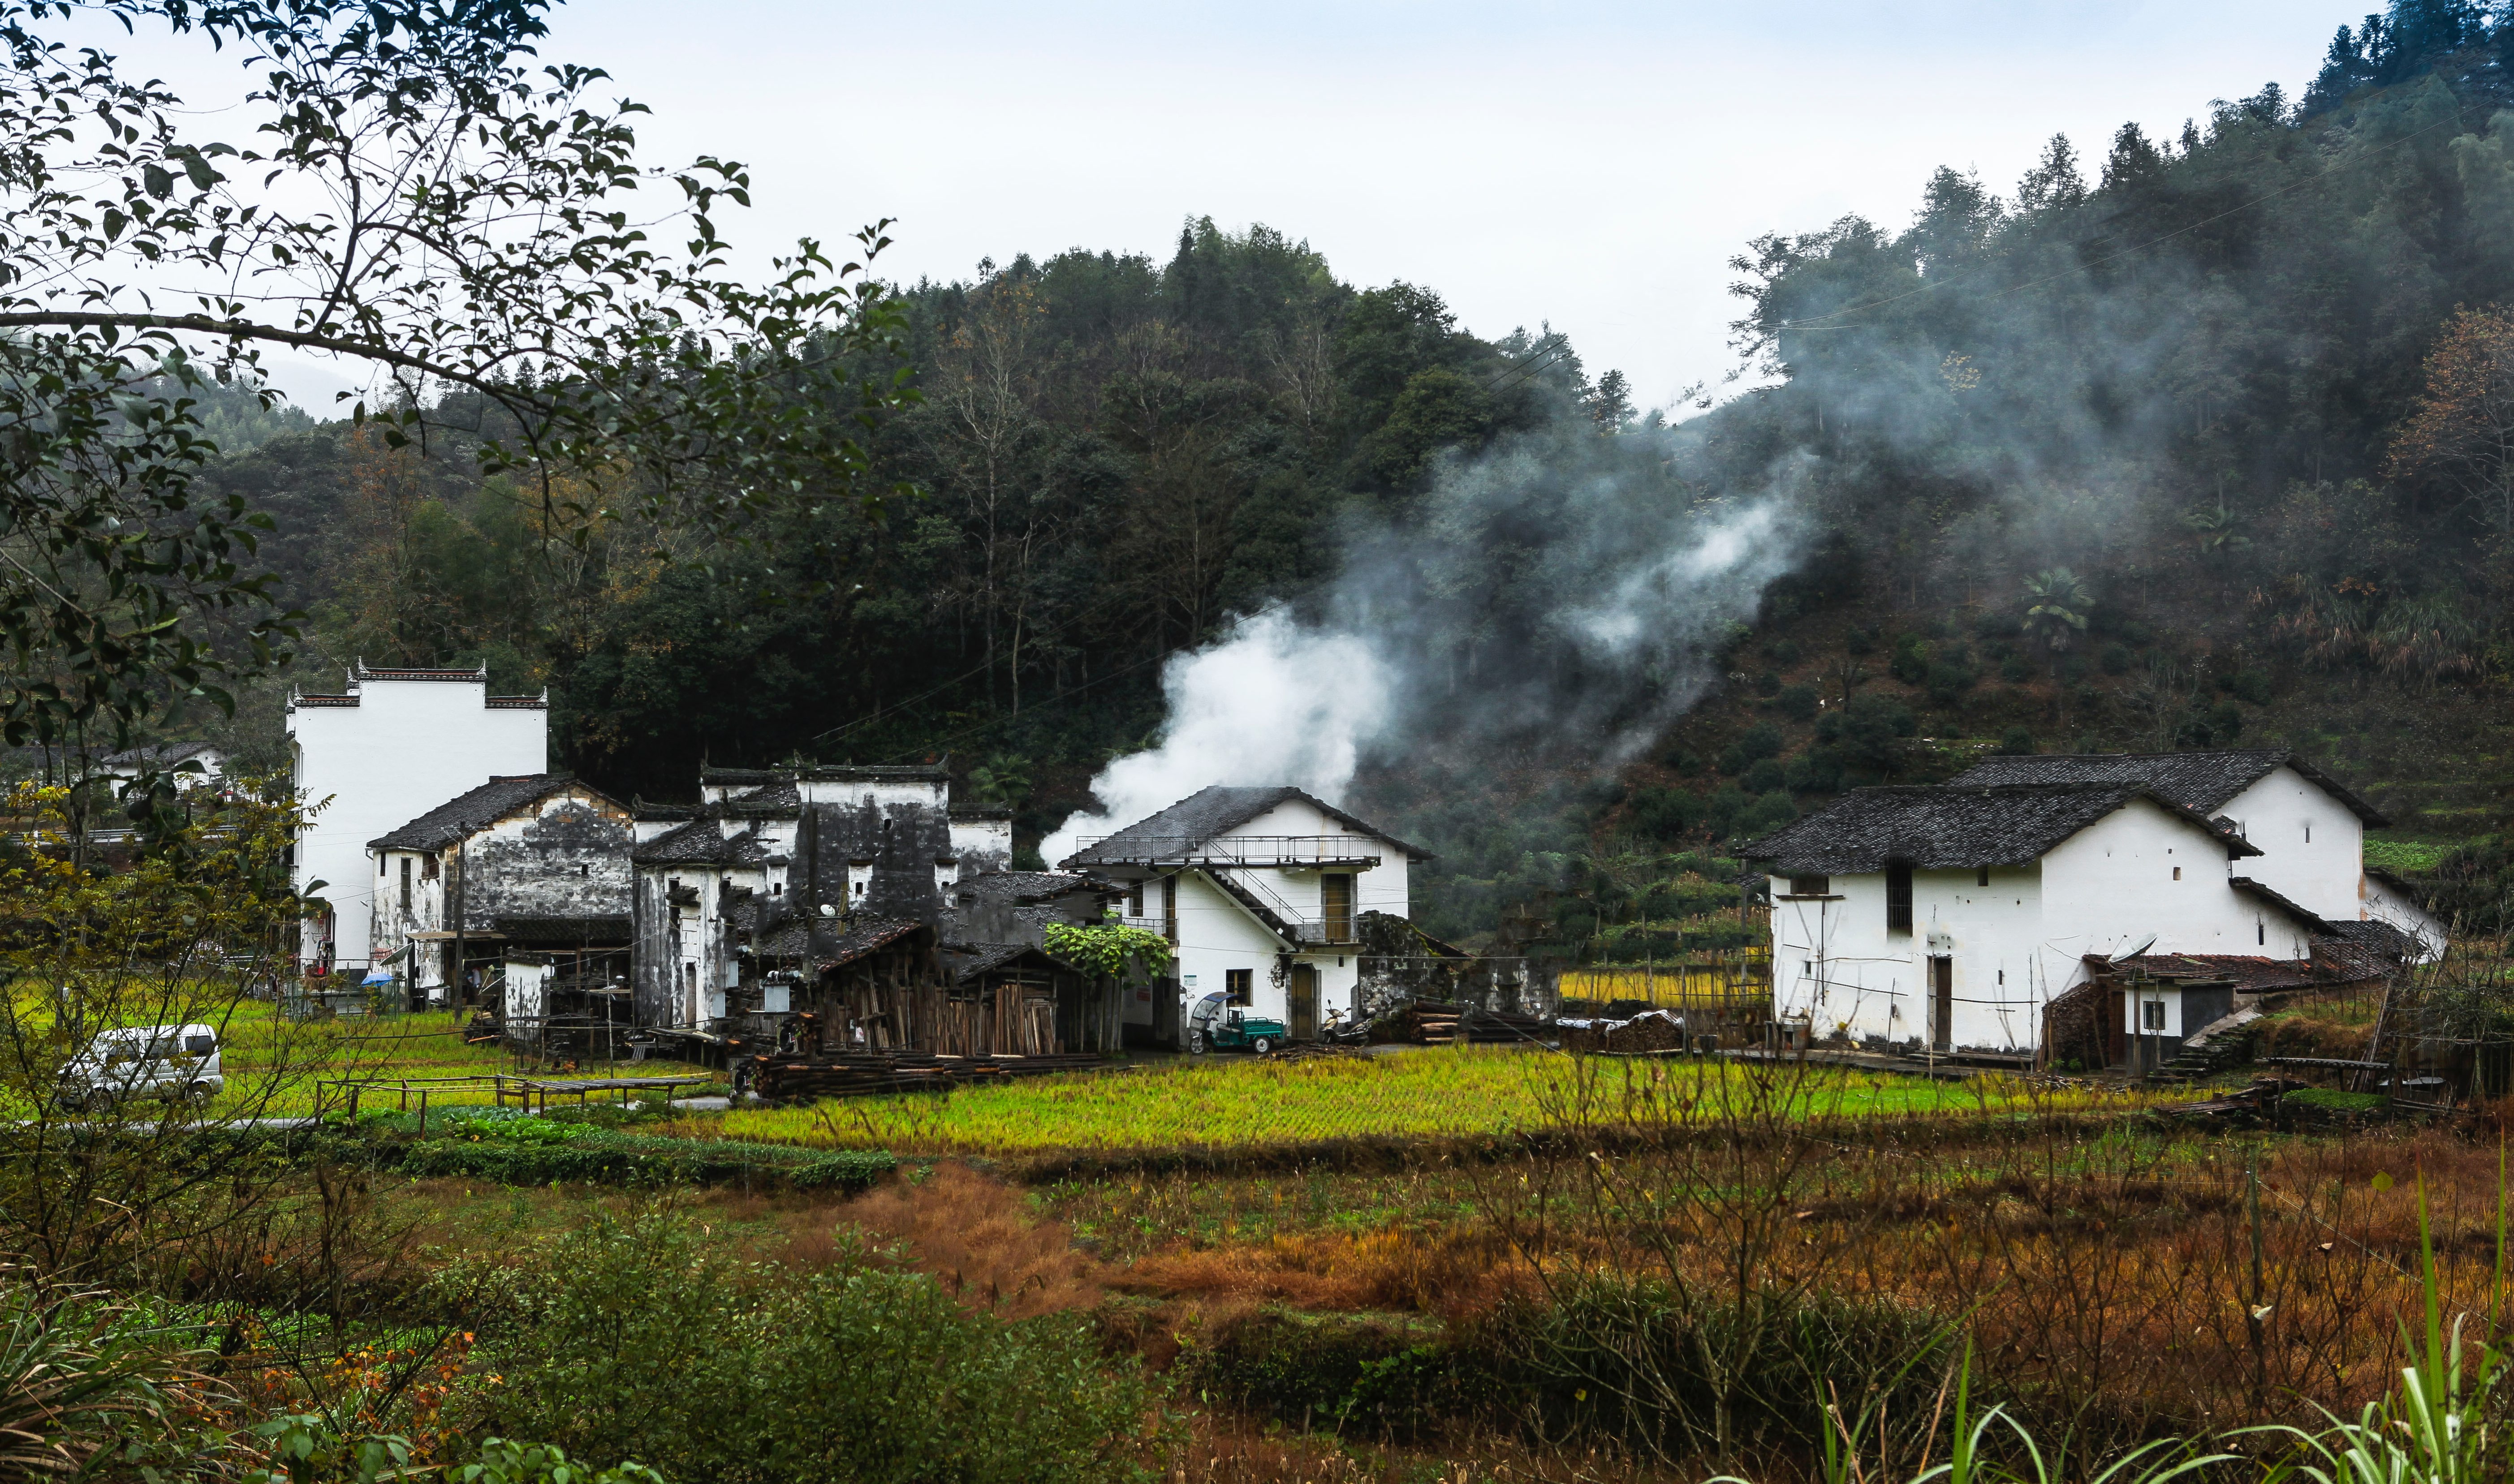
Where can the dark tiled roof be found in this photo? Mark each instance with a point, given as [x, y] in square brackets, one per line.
[564, 931]
[792, 940]
[2399, 883]
[703, 842]
[2197, 781]
[770, 801]
[818, 773]
[468, 813]
[2312, 922]
[1206, 814]
[868, 934]
[158, 754]
[2247, 973]
[1951, 828]
[981, 811]
[2379, 938]
[988, 957]
[1033, 886]
[519, 703]
[478, 673]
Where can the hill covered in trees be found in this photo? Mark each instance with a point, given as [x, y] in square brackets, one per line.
[2172, 442]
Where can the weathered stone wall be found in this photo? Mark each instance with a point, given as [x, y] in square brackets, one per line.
[1399, 964]
[566, 859]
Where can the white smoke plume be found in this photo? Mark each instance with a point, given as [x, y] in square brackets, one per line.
[1272, 701]
[1564, 593]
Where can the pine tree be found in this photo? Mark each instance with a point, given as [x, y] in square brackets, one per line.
[2054, 183]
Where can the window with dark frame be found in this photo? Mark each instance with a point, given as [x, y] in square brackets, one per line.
[2151, 1015]
[1239, 986]
[1898, 897]
[1810, 885]
[1983, 877]
[405, 883]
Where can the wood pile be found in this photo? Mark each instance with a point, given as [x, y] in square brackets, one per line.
[1433, 1023]
[796, 1077]
[1657, 1030]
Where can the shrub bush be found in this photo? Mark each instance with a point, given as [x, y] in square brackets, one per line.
[1798, 702]
[640, 1334]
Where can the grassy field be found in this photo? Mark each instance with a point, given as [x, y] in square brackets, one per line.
[1230, 1103]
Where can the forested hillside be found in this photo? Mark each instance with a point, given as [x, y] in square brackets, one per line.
[2176, 441]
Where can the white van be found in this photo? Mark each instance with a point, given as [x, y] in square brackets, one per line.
[145, 1062]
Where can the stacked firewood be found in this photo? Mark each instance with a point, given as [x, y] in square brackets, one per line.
[1435, 1023]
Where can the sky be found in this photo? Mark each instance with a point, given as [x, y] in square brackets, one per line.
[1590, 166]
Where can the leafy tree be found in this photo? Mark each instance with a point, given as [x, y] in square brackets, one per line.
[477, 236]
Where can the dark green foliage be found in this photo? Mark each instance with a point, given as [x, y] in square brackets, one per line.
[1666, 814]
[2116, 659]
[1767, 684]
[2015, 670]
[591, 1156]
[1687, 764]
[1861, 641]
[2017, 742]
[2473, 886]
[2225, 723]
[2253, 686]
[1798, 702]
[1761, 741]
[1950, 675]
[1911, 661]
[1765, 815]
[1873, 729]
[1817, 770]
[642, 1337]
[1765, 776]
[1785, 652]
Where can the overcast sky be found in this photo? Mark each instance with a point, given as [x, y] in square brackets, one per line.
[1592, 165]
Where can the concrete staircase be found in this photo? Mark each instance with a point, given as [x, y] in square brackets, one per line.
[2223, 1043]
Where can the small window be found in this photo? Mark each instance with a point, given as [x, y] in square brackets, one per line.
[2177, 873]
[2308, 834]
[2151, 1015]
[2261, 933]
[1238, 984]
[1982, 877]
[1810, 885]
[427, 868]
[1898, 899]
[405, 883]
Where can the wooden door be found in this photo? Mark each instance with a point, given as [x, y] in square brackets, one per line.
[1942, 1003]
[1302, 1003]
[1335, 902]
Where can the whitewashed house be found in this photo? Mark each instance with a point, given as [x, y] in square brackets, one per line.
[194, 764]
[391, 743]
[1953, 916]
[2310, 829]
[1260, 889]
[533, 870]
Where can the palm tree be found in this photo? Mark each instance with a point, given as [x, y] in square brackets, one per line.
[2056, 603]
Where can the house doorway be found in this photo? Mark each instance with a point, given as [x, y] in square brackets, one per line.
[1301, 1003]
[1942, 1002]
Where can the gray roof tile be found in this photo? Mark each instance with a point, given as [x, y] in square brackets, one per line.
[467, 814]
[1950, 828]
[2197, 781]
[1206, 814]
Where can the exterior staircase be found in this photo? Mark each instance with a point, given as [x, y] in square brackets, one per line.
[2223, 1043]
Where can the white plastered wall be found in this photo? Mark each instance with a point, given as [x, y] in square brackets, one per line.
[407, 746]
[2313, 847]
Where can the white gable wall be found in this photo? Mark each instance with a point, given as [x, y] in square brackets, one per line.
[2313, 847]
[2382, 903]
[2111, 886]
[406, 746]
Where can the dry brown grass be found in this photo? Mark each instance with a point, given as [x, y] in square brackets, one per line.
[979, 1236]
[1447, 1269]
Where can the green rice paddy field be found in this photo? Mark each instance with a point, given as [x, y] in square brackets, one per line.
[1236, 1103]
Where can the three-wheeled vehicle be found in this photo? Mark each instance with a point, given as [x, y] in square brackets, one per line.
[1217, 1025]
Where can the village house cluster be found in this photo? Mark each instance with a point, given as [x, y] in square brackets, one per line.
[852, 908]
[2101, 909]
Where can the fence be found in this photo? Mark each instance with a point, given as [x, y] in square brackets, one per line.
[1730, 982]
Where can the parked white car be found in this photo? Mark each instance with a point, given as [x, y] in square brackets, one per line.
[167, 1062]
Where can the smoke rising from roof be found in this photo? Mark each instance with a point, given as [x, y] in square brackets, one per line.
[1565, 591]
